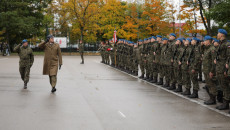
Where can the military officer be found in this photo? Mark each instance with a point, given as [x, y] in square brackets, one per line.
[52, 59]
[26, 60]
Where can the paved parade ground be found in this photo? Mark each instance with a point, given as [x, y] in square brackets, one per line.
[95, 96]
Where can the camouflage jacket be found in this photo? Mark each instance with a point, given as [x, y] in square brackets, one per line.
[25, 54]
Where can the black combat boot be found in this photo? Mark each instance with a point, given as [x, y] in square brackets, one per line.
[160, 82]
[25, 85]
[186, 92]
[53, 90]
[179, 88]
[203, 81]
[147, 77]
[220, 96]
[211, 101]
[154, 80]
[136, 73]
[194, 94]
[172, 87]
[224, 105]
[150, 79]
[166, 85]
[142, 76]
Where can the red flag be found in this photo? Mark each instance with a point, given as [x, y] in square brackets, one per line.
[115, 36]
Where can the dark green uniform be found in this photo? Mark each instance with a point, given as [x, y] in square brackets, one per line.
[221, 60]
[26, 61]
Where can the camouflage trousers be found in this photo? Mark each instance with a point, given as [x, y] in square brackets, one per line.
[82, 56]
[53, 80]
[186, 79]
[141, 63]
[178, 75]
[155, 69]
[25, 73]
[224, 85]
[211, 84]
[166, 70]
[194, 79]
[172, 75]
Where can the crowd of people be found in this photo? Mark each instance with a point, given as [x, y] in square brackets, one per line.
[175, 62]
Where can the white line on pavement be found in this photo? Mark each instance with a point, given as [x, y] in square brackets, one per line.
[123, 115]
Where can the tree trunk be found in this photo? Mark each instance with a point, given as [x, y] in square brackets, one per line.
[202, 16]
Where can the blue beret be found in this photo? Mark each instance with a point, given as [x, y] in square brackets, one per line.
[183, 38]
[215, 39]
[207, 38]
[194, 38]
[165, 39]
[173, 34]
[159, 36]
[223, 31]
[153, 37]
[189, 39]
[180, 39]
[23, 41]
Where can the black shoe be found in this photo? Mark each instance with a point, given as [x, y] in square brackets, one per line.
[25, 85]
[149, 79]
[135, 73]
[166, 85]
[186, 92]
[172, 87]
[82, 63]
[211, 101]
[179, 89]
[53, 90]
[223, 106]
[154, 80]
[200, 79]
[142, 76]
[146, 78]
[194, 94]
[203, 81]
[220, 96]
[160, 82]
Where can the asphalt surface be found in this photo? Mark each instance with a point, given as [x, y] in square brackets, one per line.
[95, 96]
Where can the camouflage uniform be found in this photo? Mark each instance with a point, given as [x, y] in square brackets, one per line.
[26, 61]
[221, 60]
[194, 61]
[185, 69]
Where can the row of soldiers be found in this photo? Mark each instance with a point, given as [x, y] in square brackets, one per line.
[174, 63]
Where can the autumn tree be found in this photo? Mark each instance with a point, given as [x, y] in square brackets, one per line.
[80, 13]
[112, 17]
[154, 19]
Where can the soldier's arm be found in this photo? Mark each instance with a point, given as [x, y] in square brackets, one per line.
[42, 45]
[17, 48]
[213, 56]
[197, 59]
[59, 55]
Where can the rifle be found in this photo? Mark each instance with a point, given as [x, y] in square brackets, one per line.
[217, 54]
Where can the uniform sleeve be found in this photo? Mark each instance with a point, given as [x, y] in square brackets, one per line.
[197, 58]
[17, 48]
[59, 55]
[42, 45]
[213, 54]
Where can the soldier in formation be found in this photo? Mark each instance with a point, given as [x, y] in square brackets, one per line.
[175, 63]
